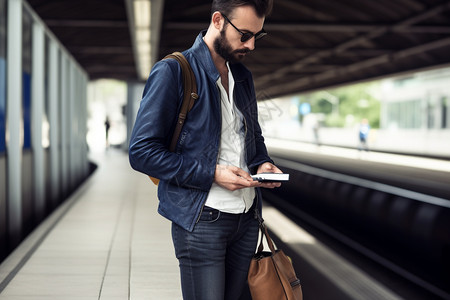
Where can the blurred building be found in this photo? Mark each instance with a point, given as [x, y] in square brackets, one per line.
[417, 101]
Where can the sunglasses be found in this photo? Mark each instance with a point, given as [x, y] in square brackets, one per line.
[245, 36]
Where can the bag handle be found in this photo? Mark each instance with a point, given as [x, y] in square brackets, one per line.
[189, 95]
[265, 233]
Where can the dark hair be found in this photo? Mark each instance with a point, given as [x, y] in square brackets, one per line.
[262, 7]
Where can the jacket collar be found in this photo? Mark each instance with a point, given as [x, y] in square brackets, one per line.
[201, 52]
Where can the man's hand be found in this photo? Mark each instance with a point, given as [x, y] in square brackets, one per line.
[269, 168]
[233, 178]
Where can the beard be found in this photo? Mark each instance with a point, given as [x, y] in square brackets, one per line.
[223, 48]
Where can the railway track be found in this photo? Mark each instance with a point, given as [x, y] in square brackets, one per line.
[401, 231]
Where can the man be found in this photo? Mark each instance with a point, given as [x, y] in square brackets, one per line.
[364, 129]
[205, 188]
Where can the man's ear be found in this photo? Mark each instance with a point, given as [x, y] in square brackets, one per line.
[217, 20]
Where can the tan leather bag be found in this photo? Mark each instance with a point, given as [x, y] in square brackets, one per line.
[271, 275]
[189, 96]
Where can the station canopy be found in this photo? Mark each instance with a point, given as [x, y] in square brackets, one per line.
[311, 44]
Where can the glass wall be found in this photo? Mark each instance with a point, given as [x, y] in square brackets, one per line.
[445, 102]
[405, 115]
[26, 69]
[45, 118]
[28, 192]
[3, 215]
[2, 75]
[30, 153]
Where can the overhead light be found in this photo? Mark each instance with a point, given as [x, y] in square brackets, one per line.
[142, 35]
[142, 13]
[144, 19]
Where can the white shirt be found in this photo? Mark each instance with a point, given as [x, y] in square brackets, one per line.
[231, 152]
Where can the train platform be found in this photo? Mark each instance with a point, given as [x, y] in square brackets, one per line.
[107, 241]
[432, 164]
[427, 176]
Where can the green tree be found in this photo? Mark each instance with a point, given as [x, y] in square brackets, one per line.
[346, 106]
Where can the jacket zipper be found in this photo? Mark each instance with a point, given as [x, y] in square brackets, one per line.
[217, 160]
[245, 139]
[245, 134]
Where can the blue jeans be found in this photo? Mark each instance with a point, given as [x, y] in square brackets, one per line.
[215, 257]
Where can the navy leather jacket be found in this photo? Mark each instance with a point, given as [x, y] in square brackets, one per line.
[187, 173]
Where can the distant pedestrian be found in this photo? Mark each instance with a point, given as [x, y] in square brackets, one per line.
[316, 128]
[364, 129]
[107, 127]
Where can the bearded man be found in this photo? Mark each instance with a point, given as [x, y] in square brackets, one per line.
[205, 185]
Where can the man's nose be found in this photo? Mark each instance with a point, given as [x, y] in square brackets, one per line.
[250, 44]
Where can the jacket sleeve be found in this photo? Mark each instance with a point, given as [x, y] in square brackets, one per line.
[152, 132]
[261, 155]
[261, 151]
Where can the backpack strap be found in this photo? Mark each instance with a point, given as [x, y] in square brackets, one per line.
[189, 95]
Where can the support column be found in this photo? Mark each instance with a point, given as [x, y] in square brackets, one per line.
[37, 111]
[14, 131]
[134, 95]
[53, 84]
[64, 124]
